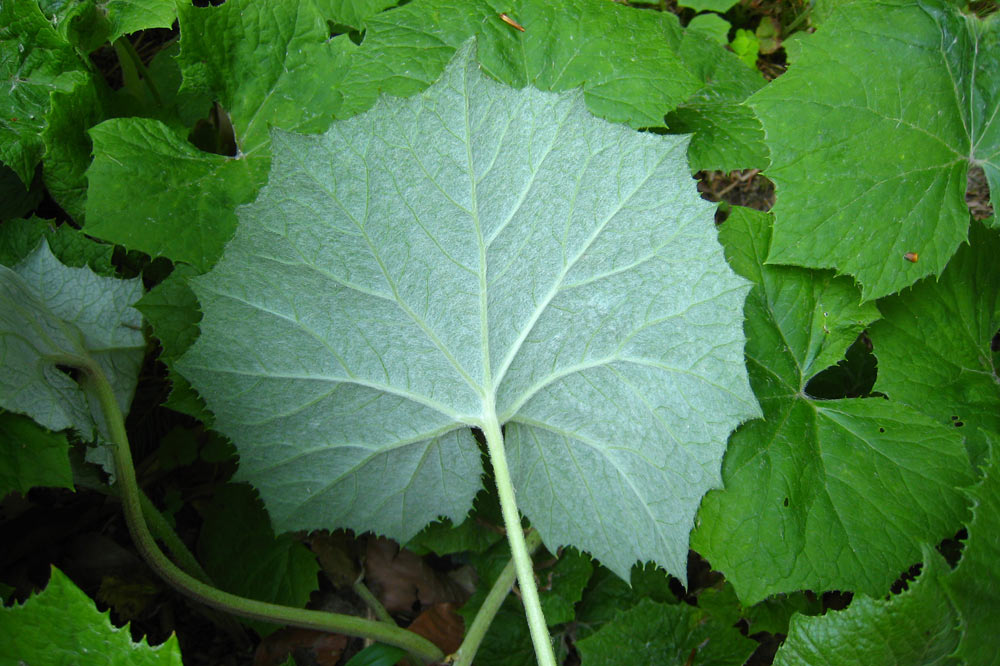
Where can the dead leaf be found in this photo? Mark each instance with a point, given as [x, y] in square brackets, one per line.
[404, 582]
[441, 625]
[308, 647]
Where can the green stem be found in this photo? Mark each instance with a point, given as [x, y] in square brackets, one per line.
[124, 49]
[161, 529]
[366, 595]
[466, 653]
[518, 548]
[95, 382]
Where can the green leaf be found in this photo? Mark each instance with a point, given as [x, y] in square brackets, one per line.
[240, 552]
[469, 254]
[378, 654]
[35, 61]
[852, 487]
[20, 237]
[974, 587]
[915, 628]
[652, 633]
[607, 594]
[933, 345]
[621, 57]
[712, 26]
[727, 134]
[352, 13]
[746, 46]
[561, 586]
[31, 456]
[720, 6]
[195, 189]
[128, 16]
[51, 314]
[61, 625]
[16, 199]
[870, 154]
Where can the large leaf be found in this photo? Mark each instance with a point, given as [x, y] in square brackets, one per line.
[870, 154]
[916, 628]
[821, 494]
[52, 314]
[469, 256]
[61, 625]
[934, 344]
[974, 586]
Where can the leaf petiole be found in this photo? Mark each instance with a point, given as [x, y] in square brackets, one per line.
[520, 554]
[96, 384]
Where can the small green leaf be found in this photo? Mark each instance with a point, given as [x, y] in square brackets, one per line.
[476, 253]
[712, 26]
[240, 552]
[854, 486]
[870, 154]
[933, 344]
[746, 46]
[652, 633]
[378, 654]
[31, 456]
[720, 6]
[917, 627]
[61, 625]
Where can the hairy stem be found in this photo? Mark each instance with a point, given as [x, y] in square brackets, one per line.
[466, 653]
[518, 548]
[97, 384]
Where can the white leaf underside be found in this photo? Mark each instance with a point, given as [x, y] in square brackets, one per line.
[471, 253]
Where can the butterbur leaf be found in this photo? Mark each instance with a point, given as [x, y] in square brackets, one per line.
[652, 633]
[854, 486]
[974, 586]
[870, 154]
[84, 635]
[933, 345]
[475, 255]
[917, 627]
[52, 315]
[352, 13]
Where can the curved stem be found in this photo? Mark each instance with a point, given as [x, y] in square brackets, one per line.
[518, 548]
[372, 602]
[123, 47]
[95, 381]
[466, 653]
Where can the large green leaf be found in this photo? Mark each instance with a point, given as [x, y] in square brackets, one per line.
[821, 494]
[471, 254]
[974, 586]
[915, 628]
[61, 625]
[934, 344]
[35, 62]
[870, 154]
[52, 314]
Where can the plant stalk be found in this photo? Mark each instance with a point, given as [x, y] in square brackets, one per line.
[518, 548]
[97, 384]
[466, 653]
